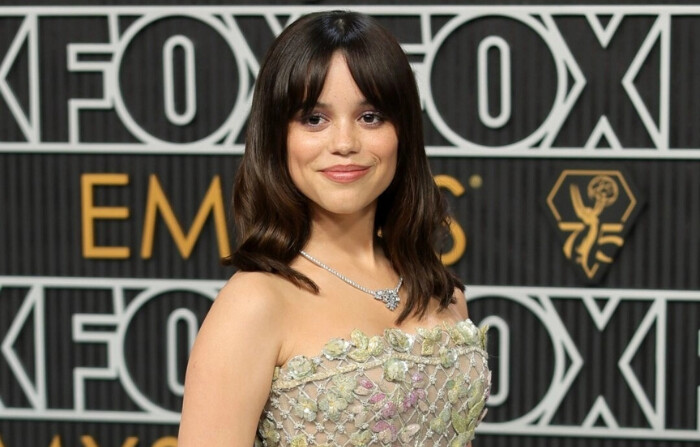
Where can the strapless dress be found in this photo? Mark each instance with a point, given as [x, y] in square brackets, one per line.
[424, 389]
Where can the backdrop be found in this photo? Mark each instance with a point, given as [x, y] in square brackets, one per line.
[565, 137]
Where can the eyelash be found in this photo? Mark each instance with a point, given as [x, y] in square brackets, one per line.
[376, 115]
[378, 118]
[306, 119]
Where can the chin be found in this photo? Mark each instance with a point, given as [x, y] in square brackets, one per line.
[345, 207]
[344, 210]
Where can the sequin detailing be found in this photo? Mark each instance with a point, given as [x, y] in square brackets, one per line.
[400, 389]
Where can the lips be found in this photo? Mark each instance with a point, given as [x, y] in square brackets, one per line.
[345, 173]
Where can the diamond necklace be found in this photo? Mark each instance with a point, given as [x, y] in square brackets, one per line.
[390, 297]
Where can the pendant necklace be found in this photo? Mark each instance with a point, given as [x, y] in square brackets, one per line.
[390, 297]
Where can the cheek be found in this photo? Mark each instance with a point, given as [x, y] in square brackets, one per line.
[388, 150]
[294, 152]
[300, 154]
[293, 167]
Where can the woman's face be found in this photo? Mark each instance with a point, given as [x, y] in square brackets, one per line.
[342, 155]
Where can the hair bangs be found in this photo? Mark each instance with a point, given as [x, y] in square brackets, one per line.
[377, 83]
[306, 80]
[373, 66]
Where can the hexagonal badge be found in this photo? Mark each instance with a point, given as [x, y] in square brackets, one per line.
[593, 211]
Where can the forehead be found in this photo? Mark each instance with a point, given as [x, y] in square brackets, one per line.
[339, 84]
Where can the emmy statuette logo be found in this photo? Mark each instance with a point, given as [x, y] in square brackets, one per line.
[593, 211]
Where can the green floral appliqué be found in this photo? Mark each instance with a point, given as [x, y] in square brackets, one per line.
[456, 390]
[361, 438]
[395, 370]
[336, 349]
[299, 441]
[475, 392]
[448, 357]
[339, 395]
[305, 408]
[268, 431]
[365, 347]
[465, 333]
[431, 339]
[344, 387]
[332, 405]
[398, 339]
[439, 424]
[464, 425]
[299, 367]
[483, 336]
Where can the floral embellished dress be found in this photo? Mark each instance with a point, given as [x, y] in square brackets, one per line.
[427, 389]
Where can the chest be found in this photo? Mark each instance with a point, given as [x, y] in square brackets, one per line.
[399, 389]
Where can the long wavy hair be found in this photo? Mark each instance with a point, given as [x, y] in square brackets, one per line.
[272, 217]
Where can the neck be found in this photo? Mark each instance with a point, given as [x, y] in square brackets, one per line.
[348, 237]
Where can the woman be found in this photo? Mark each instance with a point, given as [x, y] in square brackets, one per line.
[341, 326]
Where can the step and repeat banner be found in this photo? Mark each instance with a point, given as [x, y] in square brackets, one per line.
[566, 139]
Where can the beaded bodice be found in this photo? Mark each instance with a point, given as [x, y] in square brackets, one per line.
[428, 388]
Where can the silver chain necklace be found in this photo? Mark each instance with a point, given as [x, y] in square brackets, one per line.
[390, 297]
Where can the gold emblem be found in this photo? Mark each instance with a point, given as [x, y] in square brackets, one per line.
[593, 210]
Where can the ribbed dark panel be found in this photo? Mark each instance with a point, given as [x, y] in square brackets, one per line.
[511, 240]
[46, 189]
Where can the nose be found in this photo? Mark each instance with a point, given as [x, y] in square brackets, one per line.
[345, 138]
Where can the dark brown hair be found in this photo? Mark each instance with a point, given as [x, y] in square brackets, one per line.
[272, 216]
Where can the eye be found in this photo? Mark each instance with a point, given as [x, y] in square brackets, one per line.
[371, 118]
[313, 120]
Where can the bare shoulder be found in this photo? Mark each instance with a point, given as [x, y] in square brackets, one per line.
[232, 362]
[255, 284]
[245, 312]
[255, 291]
[247, 305]
[460, 304]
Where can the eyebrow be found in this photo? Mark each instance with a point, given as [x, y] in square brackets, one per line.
[325, 105]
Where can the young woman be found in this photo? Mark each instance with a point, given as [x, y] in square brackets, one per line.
[341, 326]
